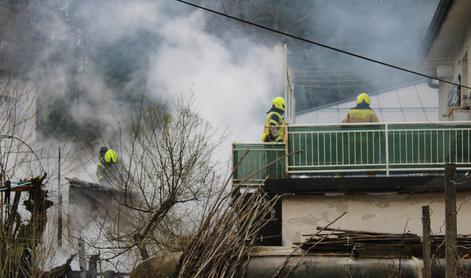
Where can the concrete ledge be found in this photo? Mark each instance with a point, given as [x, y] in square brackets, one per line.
[363, 184]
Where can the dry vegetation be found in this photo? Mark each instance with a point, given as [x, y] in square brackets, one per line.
[166, 177]
[23, 215]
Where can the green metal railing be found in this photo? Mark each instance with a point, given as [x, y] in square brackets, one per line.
[253, 163]
[382, 147]
[357, 148]
[333, 148]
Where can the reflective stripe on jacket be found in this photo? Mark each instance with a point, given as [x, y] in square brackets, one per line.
[274, 129]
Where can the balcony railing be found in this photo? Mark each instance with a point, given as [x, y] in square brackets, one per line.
[382, 148]
[253, 163]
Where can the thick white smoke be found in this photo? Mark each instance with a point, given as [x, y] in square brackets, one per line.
[233, 89]
[232, 80]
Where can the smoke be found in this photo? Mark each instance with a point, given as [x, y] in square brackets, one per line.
[98, 59]
[233, 89]
[389, 30]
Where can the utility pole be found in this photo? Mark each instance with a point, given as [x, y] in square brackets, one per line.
[59, 202]
[82, 258]
[450, 222]
[426, 243]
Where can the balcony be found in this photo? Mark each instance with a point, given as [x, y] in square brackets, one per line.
[355, 150]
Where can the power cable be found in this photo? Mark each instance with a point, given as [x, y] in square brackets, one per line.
[319, 44]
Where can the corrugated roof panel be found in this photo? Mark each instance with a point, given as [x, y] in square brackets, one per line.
[428, 96]
[413, 104]
[408, 97]
[392, 115]
[347, 104]
[415, 115]
[328, 116]
[374, 101]
[432, 114]
[388, 99]
[307, 118]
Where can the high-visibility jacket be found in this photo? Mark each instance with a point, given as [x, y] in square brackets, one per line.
[274, 129]
[106, 164]
[361, 114]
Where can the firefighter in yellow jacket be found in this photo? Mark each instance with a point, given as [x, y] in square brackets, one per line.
[361, 113]
[274, 129]
[107, 165]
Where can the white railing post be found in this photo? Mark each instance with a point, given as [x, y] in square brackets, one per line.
[386, 131]
[286, 151]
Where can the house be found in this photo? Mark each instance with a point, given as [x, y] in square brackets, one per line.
[380, 173]
[447, 44]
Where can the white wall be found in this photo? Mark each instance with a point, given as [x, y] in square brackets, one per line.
[458, 56]
[379, 213]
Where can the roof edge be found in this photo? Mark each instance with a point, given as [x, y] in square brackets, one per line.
[377, 92]
[437, 21]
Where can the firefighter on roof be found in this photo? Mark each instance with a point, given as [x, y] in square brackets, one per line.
[274, 129]
[361, 113]
[107, 163]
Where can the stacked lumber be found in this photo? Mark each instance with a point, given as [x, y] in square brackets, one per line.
[373, 244]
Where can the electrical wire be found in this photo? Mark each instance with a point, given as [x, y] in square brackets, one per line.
[319, 44]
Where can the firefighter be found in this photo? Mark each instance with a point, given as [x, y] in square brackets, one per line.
[274, 129]
[107, 164]
[361, 113]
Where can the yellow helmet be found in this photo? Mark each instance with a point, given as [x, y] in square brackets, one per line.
[363, 97]
[279, 103]
[111, 156]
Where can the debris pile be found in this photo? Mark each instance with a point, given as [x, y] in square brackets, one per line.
[372, 244]
[21, 237]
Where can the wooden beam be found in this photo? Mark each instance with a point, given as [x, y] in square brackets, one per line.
[450, 222]
[426, 243]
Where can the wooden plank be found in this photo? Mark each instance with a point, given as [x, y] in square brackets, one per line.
[13, 210]
[450, 222]
[426, 243]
